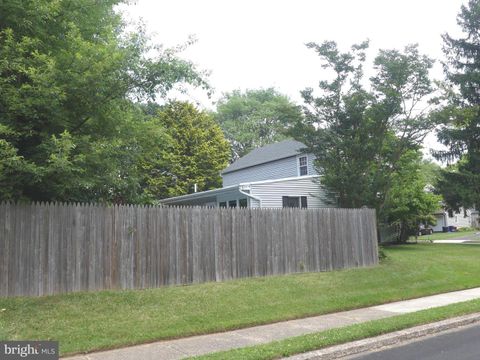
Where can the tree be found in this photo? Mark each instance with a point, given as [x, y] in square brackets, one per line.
[69, 79]
[196, 155]
[431, 172]
[255, 118]
[360, 137]
[411, 201]
[460, 183]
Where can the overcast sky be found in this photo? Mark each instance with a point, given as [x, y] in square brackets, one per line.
[252, 44]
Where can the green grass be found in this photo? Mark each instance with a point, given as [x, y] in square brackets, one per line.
[310, 342]
[108, 319]
[446, 236]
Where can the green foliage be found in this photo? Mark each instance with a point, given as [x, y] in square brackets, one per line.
[11, 163]
[255, 118]
[367, 142]
[431, 172]
[408, 203]
[196, 155]
[382, 255]
[69, 129]
[460, 184]
[466, 229]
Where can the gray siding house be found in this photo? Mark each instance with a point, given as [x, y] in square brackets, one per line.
[461, 218]
[273, 176]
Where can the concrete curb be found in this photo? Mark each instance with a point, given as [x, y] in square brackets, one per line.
[390, 339]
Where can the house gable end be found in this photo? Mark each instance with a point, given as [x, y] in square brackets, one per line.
[277, 169]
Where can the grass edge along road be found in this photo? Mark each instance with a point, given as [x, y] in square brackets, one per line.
[337, 336]
[102, 320]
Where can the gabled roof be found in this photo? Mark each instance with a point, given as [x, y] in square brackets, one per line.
[265, 154]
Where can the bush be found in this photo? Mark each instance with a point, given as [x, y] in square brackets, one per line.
[382, 255]
[466, 228]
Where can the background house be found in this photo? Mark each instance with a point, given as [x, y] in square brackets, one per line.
[273, 176]
[460, 218]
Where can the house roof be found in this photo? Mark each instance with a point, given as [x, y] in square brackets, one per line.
[200, 194]
[265, 154]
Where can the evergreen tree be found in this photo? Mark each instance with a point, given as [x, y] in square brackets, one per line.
[460, 183]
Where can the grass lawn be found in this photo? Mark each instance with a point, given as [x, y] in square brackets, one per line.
[310, 342]
[446, 236]
[108, 319]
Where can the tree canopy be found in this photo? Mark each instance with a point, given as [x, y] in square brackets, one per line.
[460, 133]
[196, 155]
[255, 118]
[364, 139]
[79, 122]
[70, 77]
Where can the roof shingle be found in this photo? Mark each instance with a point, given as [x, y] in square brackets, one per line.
[267, 153]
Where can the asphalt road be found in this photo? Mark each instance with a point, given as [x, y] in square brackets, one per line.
[463, 344]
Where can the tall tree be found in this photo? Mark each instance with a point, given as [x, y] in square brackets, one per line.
[196, 155]
[360, 137]
[431, 172]
[255, 118]
[460, 183]
[69, 76]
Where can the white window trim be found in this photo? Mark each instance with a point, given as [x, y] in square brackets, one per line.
[299, 197]
[298, 164]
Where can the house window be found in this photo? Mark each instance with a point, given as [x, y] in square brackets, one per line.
[223, 204]
[302, 166]
[303, 202]
[294, 201]
[232, 203]
[242, 203]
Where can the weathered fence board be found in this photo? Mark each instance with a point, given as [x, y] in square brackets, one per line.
[51, 248]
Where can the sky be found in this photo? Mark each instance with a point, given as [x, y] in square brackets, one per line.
[259, 44]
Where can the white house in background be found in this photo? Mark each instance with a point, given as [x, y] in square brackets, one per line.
[461, 218]
[273, 176]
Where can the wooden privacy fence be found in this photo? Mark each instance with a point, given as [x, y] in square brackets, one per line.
[60, 248]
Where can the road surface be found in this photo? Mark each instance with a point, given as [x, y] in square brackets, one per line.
[462, 344]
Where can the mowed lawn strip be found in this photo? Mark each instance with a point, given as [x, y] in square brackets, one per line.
[319, 340]
[109, 319]
[446, 236]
